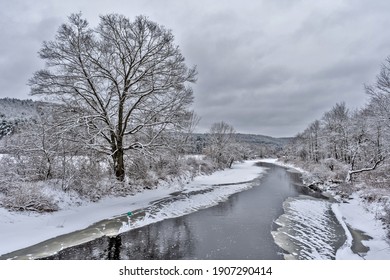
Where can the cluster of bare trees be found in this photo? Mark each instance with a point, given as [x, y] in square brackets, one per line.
[355, 142]
[222, 146]
[117, 118]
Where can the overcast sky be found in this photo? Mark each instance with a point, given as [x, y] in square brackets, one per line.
[267, 67]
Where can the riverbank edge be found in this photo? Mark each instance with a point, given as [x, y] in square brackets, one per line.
[22, 230]
[357, 215]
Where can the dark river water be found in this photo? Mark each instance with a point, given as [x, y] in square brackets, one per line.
[252, 224]
[239, 228]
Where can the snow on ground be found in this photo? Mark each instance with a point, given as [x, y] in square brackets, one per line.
[361, 216]
[19, 230]
[280, 163]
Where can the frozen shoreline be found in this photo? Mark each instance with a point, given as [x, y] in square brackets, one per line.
[358, 215]
[20, 230]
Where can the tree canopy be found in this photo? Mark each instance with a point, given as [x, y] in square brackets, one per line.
[122, 83]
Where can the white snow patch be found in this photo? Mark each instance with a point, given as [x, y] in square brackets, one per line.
[280, 163]
[359, 215]
[197, 157]
[344, 252]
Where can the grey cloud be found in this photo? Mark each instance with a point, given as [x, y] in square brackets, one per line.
[269, 67]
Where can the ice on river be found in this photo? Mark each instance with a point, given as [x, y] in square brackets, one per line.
[309, 229]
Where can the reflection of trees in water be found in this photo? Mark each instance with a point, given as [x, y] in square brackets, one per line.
[97, 249]
[168, 240]
[114, 248]
[171, 239]
[295, 177]
[225, 208]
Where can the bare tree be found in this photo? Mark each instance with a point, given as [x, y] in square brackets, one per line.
[222, 146]
[336, 131]
[379, 93]
[181, 139]
[122, 83]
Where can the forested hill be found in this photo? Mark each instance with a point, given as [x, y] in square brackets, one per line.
[253, 139]
[14, 112]
[262, 139]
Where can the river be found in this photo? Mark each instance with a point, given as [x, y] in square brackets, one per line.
[275, 219]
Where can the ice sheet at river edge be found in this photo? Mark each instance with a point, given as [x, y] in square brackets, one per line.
[308, 229]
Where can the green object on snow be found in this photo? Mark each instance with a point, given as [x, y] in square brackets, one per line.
[129, 214]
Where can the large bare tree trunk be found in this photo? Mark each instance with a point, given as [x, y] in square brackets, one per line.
[119, 164]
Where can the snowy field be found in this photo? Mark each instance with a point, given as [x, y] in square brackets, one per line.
[19, 230]
[357, 214]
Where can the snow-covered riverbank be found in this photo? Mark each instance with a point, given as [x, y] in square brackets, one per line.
[358, 215]
[19, 230]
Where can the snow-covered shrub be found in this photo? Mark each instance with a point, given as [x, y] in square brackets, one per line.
[138, 168]
[167, 166]
[94, 190]
[198, 166]
[330, 163]
[340, 173]
[27, 197]
[337, 171]
[140, 172]
[8, 173]
[321, 172]
[150, 180]
[207, 167]
[345, 189]
[193, 165]
[19, 194]
[148, 171]
[33, 167]
[88, 178]
[386, 219]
